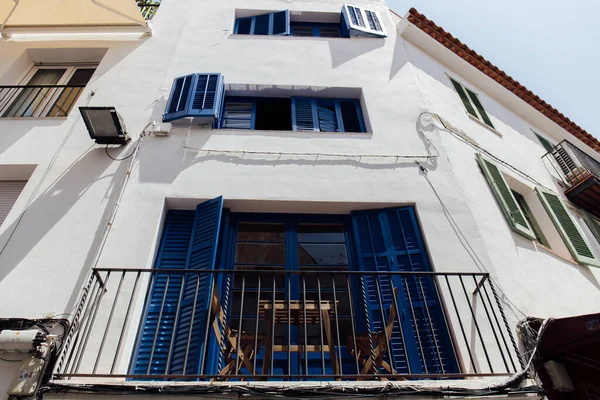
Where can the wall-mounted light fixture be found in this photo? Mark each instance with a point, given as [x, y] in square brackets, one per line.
[104, 125]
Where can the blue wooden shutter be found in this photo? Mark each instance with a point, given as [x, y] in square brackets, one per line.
[326, 113]
[304, 114]
[390, 240]
[207, 96]
[361, 22]
[172, 253]
[280, 23]
[277, 23]
[178, 99]
[189, 343]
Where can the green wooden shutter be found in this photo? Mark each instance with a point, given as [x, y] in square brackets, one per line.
[571, 233]
[546, 143]
[592, 223]
[506, 200]
[463, 96]
[475, 99]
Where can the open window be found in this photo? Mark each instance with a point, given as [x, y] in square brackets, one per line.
[539, 215]
[47, 91]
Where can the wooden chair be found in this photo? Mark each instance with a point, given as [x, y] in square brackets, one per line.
[372, 360]
[228, 341]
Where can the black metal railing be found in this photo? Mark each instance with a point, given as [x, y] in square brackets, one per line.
[287, 325]
[148, 9]
[38, 100]
[571, 163]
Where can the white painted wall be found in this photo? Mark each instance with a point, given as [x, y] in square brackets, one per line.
[51, 244]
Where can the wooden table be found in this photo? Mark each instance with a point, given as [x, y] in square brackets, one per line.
[298, 313]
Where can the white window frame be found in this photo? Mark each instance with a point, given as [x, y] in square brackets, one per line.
[70, 70]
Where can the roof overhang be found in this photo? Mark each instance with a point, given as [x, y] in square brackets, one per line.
[448, 50]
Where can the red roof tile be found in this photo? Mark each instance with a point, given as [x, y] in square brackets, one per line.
[470, 56]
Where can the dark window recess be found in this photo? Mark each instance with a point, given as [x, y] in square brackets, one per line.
[530, 218]
[273, 114]
[244, 26]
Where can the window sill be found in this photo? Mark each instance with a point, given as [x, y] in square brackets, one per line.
[292, 37]
[552, 252]
[483, 124]
[296, 134]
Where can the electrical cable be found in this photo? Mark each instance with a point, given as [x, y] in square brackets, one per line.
[118, 159]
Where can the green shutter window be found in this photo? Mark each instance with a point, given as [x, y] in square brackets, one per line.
[484, 117]
[507, 202]
[465, 99]
[571, 233]
[539, 235]
[546, 143]
[592, 223]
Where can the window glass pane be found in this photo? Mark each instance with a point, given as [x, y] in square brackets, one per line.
[69, 95]
[321, 233]
[256, 232]
[244, 25]
[260, 253]
[30, 101]
[322, 254]
[321, 244]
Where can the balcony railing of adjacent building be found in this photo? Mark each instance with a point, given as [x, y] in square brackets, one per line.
[148, 8]
[287, 325]
[580, 174]
[38, 100]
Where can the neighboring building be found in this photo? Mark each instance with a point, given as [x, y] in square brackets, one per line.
[314, 191]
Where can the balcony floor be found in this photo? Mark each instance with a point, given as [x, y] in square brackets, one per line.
[586, 194]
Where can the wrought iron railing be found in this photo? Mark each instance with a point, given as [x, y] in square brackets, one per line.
[287, 325]
[572, 164]
[148, 9]
[38, 100]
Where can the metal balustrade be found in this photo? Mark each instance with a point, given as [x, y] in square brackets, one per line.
[571, 163]
[287, 325]
[21, 101]
[148, 10]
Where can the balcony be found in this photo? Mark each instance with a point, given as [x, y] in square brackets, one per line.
[278, 325]
[38, 100]
[148, 9]
[580, 173]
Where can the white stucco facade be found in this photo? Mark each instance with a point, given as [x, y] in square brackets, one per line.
[54, 234]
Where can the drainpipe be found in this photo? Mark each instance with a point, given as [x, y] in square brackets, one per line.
[8, 17]
[142, 24]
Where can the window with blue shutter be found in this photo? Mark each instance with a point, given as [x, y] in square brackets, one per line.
[155, 338]
[327, 115]
[390, 240]
[172, 333]
[198, 95]
[362, 22]
[277, 23]
[313, 29]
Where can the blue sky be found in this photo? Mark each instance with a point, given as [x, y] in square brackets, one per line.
[552, 47]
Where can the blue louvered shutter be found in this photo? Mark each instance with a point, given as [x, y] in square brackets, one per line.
[304, 114]
[177, 104]
[326, 113]
[207, 96]
[277, 23]
[362, 22]
[191, 329]
[172, 254]
[280, 23]
[390, 240]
